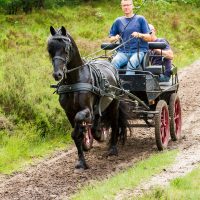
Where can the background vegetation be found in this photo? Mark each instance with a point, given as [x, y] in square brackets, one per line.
[17, 6]
[31, 120]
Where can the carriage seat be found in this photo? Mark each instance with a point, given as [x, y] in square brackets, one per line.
[155, 69]
[109, 46]
[146, 65]
[157, 45]
[152, 45]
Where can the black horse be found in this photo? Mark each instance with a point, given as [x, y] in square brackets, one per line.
[85, 92]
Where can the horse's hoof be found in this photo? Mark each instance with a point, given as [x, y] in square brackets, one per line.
[81, 165]
[113, 151]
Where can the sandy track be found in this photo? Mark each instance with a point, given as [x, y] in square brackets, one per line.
[55, 177]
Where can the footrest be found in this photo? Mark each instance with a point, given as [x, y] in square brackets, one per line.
[173, 70]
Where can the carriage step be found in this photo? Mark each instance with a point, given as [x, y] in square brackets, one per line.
[140, 125]
[144, 112]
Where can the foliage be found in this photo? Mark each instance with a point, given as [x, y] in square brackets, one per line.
[194, 2]
[17, 6]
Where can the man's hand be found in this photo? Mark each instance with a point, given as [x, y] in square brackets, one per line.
[117, 37]
[114, 38]
[136, 35]
[144, 36]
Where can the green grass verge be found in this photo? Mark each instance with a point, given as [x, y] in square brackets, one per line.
[26, 146]
[184, 188]
[107, 189]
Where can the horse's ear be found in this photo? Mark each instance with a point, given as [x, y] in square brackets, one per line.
[63, 30]
[52, 30]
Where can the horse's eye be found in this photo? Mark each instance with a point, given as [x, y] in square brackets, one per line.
[51, 53]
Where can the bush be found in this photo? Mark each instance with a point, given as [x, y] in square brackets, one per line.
[194, 2]
[16, 6]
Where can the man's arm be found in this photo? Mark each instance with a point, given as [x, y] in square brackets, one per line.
[166, 53]
[145, 36]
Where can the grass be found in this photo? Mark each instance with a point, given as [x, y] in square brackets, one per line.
[25, 69]
[184, 188]
[26, 146]
[107, 189]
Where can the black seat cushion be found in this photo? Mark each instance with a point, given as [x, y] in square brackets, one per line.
[155, 69]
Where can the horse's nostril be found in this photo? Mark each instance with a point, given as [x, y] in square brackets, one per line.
[57, 76]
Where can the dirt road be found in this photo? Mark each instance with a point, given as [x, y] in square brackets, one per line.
[55, 178]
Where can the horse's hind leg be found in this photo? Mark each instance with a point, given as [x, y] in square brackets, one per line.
[113, 116]
[123, 122]
[96, 128]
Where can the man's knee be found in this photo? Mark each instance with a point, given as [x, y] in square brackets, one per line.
[119, 60]
[135, 60]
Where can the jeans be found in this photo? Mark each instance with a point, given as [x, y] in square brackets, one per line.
[164, 78]
[129, 59]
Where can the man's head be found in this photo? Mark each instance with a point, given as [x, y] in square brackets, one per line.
[152, 29]
[127, 7]
[152, 32]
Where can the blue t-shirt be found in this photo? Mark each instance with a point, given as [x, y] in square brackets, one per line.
[125, 27]
[158, 60]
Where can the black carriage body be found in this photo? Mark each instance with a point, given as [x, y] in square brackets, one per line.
[147, 88]
[143, 86]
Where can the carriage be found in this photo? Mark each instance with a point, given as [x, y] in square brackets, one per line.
[156, 103]
[98, 100]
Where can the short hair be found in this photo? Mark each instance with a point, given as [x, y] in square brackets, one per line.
[151, 26]
[128, 0]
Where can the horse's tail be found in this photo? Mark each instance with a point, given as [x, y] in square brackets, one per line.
[123, 122]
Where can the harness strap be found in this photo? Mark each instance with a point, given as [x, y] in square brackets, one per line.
[77, 87]
[74, 88]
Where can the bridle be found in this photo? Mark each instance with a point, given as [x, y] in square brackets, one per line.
[68, 49]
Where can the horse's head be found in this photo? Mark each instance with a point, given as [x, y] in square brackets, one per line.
[59, 48]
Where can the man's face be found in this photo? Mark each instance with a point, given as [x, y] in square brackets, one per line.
[127, 6]
[152, 29]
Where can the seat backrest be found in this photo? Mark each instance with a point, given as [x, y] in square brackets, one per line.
[157, 45]
[146, 61]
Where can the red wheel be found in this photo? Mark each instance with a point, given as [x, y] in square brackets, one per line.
[88, 139]
[162, 132]
[175, 117]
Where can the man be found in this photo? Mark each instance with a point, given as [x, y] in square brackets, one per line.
[167, 53]
[134, 30]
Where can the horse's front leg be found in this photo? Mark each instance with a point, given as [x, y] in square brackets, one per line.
[81, 117]
[78, 136]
